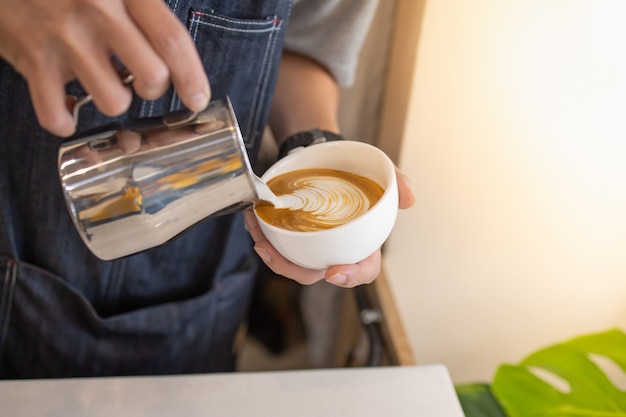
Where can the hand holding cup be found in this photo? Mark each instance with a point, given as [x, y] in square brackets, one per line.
[354, 240]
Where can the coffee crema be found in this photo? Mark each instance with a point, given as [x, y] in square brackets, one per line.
[323, 199]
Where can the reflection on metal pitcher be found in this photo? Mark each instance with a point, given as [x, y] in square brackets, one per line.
[134, 186]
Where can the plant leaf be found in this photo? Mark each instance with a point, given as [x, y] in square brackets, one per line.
[478, 401]
[563, 380]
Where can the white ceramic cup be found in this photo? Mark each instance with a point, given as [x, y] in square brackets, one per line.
[353, 241]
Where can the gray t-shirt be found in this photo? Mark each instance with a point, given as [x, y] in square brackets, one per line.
[331, 32]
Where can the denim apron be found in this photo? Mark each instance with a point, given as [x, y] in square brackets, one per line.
[172, 309]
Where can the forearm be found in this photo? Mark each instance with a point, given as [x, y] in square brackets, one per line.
[306, 97]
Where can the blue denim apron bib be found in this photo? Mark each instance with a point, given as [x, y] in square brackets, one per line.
[172, 309]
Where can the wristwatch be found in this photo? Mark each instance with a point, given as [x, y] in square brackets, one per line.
[309, 137]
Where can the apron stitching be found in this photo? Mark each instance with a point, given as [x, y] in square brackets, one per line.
[266, 73]
[142, 109]
[256, 98]
[253, 30]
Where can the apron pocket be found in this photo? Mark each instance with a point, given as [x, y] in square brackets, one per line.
[48, 329]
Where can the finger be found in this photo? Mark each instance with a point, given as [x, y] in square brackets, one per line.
[151, 75]
[99, 77]
[128, 141]
[47, 91]
[281, 266]
[209, 126]
[406, 197]
[168, 137]
[274, 260]
[349, 276]
[70, 102]
[174, 45]
[87, 155]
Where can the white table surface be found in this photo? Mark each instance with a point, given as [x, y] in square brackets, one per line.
[363, 392]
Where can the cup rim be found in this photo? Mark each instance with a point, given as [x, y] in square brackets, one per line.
[389, 170]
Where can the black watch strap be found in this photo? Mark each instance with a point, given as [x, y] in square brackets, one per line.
[309, 137]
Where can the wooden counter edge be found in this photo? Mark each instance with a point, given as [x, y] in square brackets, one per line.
[393, 327]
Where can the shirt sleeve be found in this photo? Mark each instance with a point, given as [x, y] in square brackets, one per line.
[331, 32]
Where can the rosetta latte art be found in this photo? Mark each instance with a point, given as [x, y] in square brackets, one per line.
[323, 198]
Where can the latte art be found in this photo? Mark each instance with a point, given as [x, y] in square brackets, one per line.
[323, 198]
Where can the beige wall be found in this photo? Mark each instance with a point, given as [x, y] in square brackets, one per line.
[515, 139]
[360, 103]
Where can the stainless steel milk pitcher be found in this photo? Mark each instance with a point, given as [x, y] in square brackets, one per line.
[136, 185]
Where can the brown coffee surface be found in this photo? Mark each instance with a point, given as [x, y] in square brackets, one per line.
[326, 198]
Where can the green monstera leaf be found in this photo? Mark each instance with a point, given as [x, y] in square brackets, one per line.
[477, 400]
[581, 377]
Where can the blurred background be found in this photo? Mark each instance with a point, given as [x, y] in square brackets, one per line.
[509, 119]
[513, 133]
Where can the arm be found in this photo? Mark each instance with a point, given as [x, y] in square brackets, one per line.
[307, 96]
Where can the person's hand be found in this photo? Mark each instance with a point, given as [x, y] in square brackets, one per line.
[346, 276]
[53, 42]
